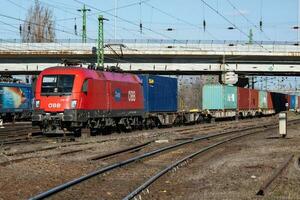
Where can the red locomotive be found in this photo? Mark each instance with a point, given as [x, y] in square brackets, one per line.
[70, 98]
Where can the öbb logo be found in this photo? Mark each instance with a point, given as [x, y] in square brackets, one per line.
[54, 105]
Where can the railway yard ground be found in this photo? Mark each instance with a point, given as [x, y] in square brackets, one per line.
[242, 156]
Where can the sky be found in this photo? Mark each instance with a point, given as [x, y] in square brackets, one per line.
[184, 17]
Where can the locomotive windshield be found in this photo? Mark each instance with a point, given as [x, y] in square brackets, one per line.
[53, 85]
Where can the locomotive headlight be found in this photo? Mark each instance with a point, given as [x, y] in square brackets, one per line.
[73, 103]
[37, 103]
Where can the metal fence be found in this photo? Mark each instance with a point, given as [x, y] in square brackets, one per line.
[164, 41]
[186, 46]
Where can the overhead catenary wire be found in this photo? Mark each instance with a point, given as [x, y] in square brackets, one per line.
[126, 20]
[204, 21]
[178, 19]
[28, 28]
[122, 7]
[71, 32]
[54, 6]
[261, 22]
[14, 18]
[249, 21]
[10, 17]
[226, 19]
[89, 15]
[14, 3]
[141, 25]
[60, 7]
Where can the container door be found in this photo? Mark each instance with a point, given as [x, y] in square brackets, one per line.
[230, 97]
[162, 94]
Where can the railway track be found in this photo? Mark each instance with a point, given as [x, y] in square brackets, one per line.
[16, 156]
[229, 136]
[20, 134]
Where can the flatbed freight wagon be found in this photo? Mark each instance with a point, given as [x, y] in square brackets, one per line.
[161, 102]
[219, 101]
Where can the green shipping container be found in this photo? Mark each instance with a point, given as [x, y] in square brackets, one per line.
[263, 101]
[219, 97]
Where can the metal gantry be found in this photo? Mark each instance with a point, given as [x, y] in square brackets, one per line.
[100, 46]
[84, 10]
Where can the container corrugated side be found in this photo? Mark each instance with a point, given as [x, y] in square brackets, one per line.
[263, 104]
[160, 93]
[212, 97]
[293, 102]
[243, 98]
[270, 102]
[219, 97]
[253, 99]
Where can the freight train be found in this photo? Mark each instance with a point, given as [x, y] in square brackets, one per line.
[68, 99]
[15, 101]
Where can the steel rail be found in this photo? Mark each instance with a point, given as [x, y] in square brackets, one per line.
[168, 168]
[101, 156]
[76, 181]
[278, 171]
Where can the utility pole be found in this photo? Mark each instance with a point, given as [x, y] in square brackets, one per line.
[100, 49]
[84, 10]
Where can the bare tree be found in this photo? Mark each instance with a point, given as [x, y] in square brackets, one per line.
[39, 24]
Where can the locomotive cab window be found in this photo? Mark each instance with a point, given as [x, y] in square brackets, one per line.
[85, 86]
[53, 85]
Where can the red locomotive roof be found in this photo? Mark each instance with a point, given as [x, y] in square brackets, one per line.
[84, 72]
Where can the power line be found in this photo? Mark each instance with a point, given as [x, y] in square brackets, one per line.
[126, 20]
[16, 4]
[75, 14]
[220, 14]
[89, 15]
[122, 7]
[48, 5]
[9, 24]
[179, 19]
[14, 18]
[248, 20]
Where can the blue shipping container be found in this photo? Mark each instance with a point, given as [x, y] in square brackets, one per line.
[293, 102]
[219, 97]
[160, 93]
